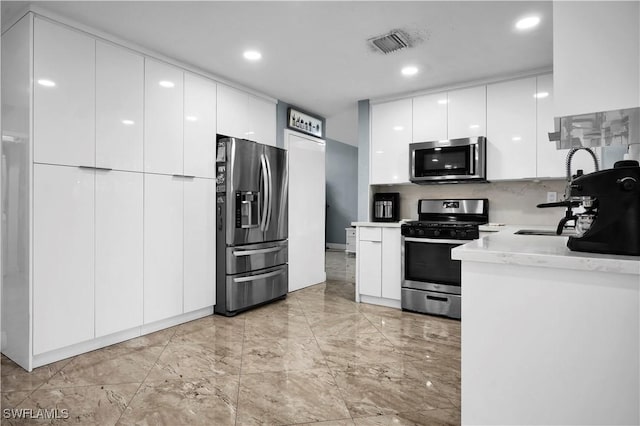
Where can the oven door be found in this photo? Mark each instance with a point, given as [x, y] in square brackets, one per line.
[428, 265]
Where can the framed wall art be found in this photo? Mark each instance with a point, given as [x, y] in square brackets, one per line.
[304, 123]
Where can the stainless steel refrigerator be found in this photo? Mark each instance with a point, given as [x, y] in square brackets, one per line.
[251, 225]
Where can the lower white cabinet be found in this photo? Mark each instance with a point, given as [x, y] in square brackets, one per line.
[379, 262]
[163, 249]
[199, 243]
[118, 251]
[63, 256]
[179, 245]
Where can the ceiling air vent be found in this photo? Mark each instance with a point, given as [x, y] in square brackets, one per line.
[389, 42]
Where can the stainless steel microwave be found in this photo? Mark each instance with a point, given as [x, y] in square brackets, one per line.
[448, 161]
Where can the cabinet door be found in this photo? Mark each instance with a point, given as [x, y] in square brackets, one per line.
[263, 121]
[391, 263]
[199, 126]
[118, 224]
[163, 118]
[511, 129]
[199, 243]
[467, 112]
[550, 161]
[63, 256]
[233, 112]
[119, 102]
[391, 128]
[369, 258]
[64, 96]
[163, 251]
[430, 117]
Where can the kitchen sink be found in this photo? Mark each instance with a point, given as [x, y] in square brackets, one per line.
[543, 232]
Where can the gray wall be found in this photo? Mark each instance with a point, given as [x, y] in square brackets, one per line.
[341, 166]
[363, 160]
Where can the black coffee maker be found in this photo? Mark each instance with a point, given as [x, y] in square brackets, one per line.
[611, 221]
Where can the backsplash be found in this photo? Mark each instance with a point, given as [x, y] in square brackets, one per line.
[511, 203]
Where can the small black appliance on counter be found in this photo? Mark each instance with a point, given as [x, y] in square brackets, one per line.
[610, 223]
[386, 207]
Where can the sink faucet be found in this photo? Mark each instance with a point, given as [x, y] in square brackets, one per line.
[572, 151]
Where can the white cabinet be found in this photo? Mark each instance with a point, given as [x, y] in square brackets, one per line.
[391, 129]
[163, 118]
[199, 126]
[467, 112]
[511, 129]
[163, 246]
[262, 121]
[199, 243]
[118, 251]
[64, 96]
[379, 269]
[119, 108]
[245, 116]
[550, 162]
[391, 263]
[63, 256]
[430, 117]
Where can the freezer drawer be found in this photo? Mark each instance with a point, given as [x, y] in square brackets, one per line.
[247, 290]
[250, 257]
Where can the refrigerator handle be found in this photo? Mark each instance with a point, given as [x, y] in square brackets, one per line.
[270, 194]
[265, 192]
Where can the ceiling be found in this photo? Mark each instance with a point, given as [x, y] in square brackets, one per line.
[315, 55]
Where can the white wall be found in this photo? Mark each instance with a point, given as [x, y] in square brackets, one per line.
[596, 56]
[343, 126]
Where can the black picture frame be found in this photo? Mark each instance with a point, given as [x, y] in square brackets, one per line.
[305, 123]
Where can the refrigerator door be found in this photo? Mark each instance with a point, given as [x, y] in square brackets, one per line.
[245, 187]
[277, 221]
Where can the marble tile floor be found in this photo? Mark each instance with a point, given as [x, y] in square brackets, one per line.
[315, 357]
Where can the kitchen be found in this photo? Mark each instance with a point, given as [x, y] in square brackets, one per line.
[554, 60]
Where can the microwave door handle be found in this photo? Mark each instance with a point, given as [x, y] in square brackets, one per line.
[263, 170]
[472, 159]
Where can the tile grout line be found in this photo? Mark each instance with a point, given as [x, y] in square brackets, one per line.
[145, 377]
[244, 336]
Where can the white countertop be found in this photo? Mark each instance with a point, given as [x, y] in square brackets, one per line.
[504, 247]
[379, 224]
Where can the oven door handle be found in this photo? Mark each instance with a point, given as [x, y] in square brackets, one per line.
[436, 241]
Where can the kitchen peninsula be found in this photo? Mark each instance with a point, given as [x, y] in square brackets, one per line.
[549, 336]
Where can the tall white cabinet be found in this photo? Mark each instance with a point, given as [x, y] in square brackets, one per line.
[245, 116]
[109, 197]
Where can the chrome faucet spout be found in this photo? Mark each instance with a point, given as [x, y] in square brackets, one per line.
[572, 152]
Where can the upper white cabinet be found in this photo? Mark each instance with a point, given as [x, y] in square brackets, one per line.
[199, 126]
[199, 243]
[63, 256]
[511, 129]
[430, 117]
[550, 162]
[245, 116]
[163, 118]
[262, 121]
[119, 108]
[64, 96]
[467, 112]
[391, 134]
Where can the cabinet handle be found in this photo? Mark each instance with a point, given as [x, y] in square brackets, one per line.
[104, 169]
[185, 176]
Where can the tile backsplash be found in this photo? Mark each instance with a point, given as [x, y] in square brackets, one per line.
[511, 203]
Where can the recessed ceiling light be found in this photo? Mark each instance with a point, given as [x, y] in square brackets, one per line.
[128, 122]
[443, 101]
[252, 55]
[398, 128]
[167, 84]
[46, 83]
[411, 70]
[541, 95]
[528, 22]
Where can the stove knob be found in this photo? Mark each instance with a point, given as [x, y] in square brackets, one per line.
[452, 233]
[411, 231]
[436, 233]
[421, 232]
[463, 234]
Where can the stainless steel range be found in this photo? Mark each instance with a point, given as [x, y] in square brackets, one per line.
[431, 281]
